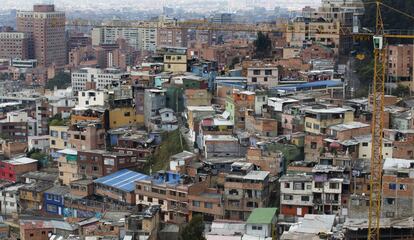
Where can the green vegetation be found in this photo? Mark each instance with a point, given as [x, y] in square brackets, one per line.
[290, 152]
[62, 80]
[171, 144]
[392, 19]
[194, 229]
[365, 72]
[401, 91]
[4, 76]
[263, 45]
[36, 154]
[57, 120]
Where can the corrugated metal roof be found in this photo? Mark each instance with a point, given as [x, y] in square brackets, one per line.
[123, 180]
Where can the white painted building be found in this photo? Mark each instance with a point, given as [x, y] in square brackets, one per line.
[101, 77]
[39, 142]
[278, 103]
[92, 98]
[260, 224]
[143, 39]
[17, 116]
[365, 147]
[9, 198]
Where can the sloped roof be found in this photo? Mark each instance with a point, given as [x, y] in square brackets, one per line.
[123, 180]
[262, 216]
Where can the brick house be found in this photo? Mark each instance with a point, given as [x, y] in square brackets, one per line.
[12, 169]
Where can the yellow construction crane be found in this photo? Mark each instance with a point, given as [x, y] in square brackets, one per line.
[377, 126]
[378, 92]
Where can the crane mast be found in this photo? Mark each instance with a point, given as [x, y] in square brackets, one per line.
[377, 128]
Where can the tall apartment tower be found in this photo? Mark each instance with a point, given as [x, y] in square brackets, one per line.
[46, 30]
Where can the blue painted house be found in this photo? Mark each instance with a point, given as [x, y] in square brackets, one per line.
[54, 199]
[207, 70]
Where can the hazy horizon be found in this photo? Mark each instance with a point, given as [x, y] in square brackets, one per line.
[209, 5]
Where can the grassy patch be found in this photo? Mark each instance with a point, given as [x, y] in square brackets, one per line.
[170, 145]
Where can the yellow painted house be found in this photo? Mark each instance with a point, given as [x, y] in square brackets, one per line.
[318, 120]
[59, 138]
[124, 116]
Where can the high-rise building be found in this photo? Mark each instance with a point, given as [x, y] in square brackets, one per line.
[14, 45]
[143, 35]
[46, 30]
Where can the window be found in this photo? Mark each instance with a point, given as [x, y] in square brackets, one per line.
[365, 144]
[255, 227]
[149, 199]
[196, 203]
[287, 197]
[287, 185]
[298, 186]
[334, 185]
[268, 72]
[403, 187]
[308, 125]
[390, 201]
[254, 79]
[51, 208]
[265, 79]
[54, 133]
[305, 198]
[313, 145]
[256, 72]
[127, 114]
[64, 135]
[392, 186]
[208, 205]
[316, 126]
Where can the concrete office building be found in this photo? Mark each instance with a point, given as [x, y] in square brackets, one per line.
[14, 45]
[46, 30]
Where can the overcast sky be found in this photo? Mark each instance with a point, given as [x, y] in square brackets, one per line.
[140, 4]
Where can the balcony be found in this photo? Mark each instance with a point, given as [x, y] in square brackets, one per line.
[332, 201]
[317, 201]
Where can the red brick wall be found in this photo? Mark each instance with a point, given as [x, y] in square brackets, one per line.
[289, 210]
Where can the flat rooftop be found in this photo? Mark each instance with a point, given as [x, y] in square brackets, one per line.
[256, 175]
[21, 161]
[349, 126]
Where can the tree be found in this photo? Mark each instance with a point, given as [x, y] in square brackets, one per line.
[194, 230]
[61, 80]
[36, 154]
[4, 76]
[234, 61]
[57, 120]
[392, 19]
[263, 45]
[401, 91]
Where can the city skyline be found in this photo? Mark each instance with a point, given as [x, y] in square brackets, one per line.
[212, 5]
